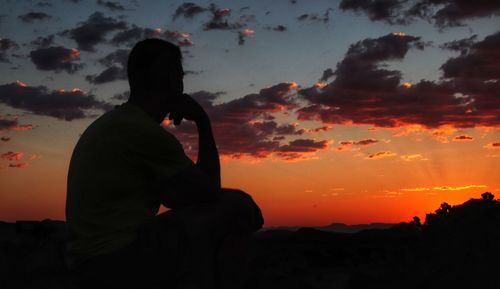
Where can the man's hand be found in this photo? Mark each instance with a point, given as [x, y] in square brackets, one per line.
[185, 107]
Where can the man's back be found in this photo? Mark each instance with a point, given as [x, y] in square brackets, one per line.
[110, 189]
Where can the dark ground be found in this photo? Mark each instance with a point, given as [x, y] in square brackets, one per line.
[456, 247]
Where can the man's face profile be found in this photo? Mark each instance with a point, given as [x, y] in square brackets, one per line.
[167, 79]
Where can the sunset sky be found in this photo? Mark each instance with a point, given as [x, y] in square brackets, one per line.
[324, 111]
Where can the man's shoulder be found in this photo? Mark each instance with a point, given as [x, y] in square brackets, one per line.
[127, 123]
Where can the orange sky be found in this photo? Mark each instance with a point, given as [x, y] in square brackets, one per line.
[328, 186]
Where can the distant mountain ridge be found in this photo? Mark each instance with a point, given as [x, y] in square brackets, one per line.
[339, 227]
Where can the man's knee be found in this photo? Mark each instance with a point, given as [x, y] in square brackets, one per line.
[249, 213]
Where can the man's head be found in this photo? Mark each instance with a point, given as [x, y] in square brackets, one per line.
[155, 72]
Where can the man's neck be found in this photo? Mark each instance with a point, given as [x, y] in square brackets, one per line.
[150, 109]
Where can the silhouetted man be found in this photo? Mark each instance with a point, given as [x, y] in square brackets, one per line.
[125, 165]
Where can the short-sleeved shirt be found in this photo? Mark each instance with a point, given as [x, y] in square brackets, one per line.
[110, 188]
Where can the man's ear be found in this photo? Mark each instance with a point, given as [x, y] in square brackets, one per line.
[160, 76]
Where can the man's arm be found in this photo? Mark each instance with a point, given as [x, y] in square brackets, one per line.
[208, 156]
[201, 182]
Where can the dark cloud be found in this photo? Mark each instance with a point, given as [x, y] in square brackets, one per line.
[116, 68]
[18, 165]
[360, 70]
[316, 17]
[94, 30]
[298, 148]
[119, 56]
[272, 128]
[279, 28]
[121, 96]
[12, 124]
[61, 104]
[219, 19]
[6, 45]
[304, 145]
[343, 145]
[454, 12]
[180, 38]
[327, 73]
[188, 10]
[380, 155]
[481, 61]
[366, 92]
[462, 45]
[366, 142]
[244, 126]
[34, 16]
[273, 99]
[111, 5]
[135, 34]
[43, 42]
[444, 13]
[463, 138]
[132, 35]
[318, 129]
[7, 124]
[11, 156]
[492, 146]
[303, 17]
[43, 4]
[110, 74]
[57, 58]
[4, 138]
[388, 10]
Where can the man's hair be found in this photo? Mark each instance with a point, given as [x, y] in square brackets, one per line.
[144, 54]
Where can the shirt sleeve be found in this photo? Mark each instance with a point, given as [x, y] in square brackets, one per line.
[155, 152]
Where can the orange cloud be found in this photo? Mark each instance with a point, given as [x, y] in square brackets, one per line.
[380, 155]
[74, 53]
[440, 134]
[23, 127]
[20, 83]
[414, 157]
[400, 34]
[248, 31]
[33, 157]
[11, 156]
[445, 188]
[407, 84]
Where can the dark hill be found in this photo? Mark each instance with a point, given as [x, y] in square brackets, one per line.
[456, 247]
